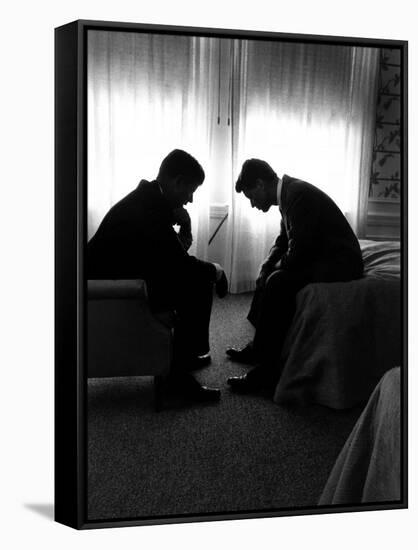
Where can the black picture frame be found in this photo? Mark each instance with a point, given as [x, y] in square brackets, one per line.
[70, 282]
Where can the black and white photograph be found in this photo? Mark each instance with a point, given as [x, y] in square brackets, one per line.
[243, 274]
[208, 266]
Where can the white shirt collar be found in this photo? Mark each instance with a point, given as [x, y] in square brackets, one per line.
[279, 192]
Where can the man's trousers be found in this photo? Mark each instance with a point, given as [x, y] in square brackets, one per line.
[274, 305]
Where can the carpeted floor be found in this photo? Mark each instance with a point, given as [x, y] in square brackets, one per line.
[244, 454]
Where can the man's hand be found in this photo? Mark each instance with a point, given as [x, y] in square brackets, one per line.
[186, 238]
[262, 278]
[181, 217]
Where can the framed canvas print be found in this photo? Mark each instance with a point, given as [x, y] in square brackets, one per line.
[231, 293]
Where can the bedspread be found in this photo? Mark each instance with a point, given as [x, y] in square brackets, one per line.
[368, 468]
[344, 336]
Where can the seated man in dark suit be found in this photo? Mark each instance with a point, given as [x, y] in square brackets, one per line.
[136, 239]
[315, 244]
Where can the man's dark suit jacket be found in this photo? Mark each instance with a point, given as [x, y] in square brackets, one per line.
[136, 239]
[313, 231]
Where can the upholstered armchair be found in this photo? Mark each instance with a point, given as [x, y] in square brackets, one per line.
[124, 337]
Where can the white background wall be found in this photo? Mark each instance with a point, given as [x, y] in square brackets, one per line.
[26, 389]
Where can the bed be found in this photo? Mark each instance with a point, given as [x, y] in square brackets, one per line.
[368, 468]
[344, 336]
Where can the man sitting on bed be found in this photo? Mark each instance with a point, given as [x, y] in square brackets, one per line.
[315, 244]
[136, 240]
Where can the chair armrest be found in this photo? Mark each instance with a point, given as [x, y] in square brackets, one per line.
[98, 289]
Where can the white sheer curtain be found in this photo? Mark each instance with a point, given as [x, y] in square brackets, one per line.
[147, 95]
[308, 110]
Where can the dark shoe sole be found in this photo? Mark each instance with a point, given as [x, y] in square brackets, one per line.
[244, 387]
[250, 383]
[184, 387]
[198, 362]
[204, 396]
[241, 356]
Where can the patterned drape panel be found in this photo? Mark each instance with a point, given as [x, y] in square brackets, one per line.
[386, 171]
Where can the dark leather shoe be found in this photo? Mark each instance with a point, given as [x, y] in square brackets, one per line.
[203, 394]
[245, 355]
[197, 362]
[253, 381]
[186, 387]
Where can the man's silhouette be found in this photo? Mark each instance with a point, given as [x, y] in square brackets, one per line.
[136, 239]
[315, 244]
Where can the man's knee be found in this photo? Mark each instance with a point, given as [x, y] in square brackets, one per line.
[276, 278]
[282, 281]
